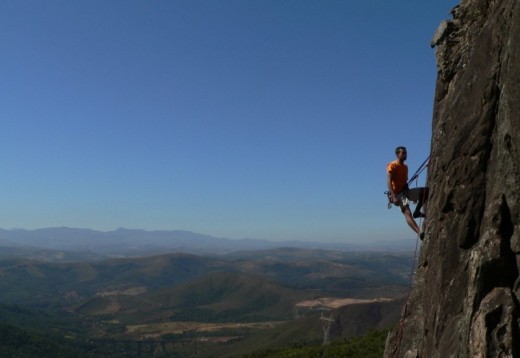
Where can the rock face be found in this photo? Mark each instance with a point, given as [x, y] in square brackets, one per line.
[465, 300]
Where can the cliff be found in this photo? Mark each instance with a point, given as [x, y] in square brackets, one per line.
[465, 299]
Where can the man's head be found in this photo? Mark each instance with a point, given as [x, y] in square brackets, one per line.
[401, 153]
[400, 149]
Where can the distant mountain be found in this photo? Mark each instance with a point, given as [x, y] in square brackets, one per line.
[125, 242]
[47, 255]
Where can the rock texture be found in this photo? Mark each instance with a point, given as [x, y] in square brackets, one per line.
[465, 300]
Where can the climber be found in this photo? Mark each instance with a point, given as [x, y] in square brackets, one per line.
[399, 193]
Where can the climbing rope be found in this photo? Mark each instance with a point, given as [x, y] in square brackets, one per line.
[410, 284]
[397, 348]
[418, 172]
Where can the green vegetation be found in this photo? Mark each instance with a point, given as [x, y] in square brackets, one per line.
[18, 343]
[63, 285]
[371, 345]
[240, 305]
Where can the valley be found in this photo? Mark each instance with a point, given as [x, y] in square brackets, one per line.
[238, 302]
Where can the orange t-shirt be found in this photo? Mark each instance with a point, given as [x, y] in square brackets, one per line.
[398, 175]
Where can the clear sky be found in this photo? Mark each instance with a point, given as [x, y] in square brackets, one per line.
[268, 119]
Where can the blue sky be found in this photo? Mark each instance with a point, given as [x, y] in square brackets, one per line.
[269, 119]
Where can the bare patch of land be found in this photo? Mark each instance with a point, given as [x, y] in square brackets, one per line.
[154, 330]
[331, 302]
[131, 291]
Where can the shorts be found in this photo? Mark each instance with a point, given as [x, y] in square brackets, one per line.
[408, 195]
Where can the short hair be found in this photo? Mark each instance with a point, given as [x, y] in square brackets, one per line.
[398, 149]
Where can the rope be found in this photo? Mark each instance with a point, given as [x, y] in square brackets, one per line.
[397, 348]
[418, 172]
[405, 310]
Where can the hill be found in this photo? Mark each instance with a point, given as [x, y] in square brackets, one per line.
[370, 345]
[207, 302]
[20, 343]
[349, 321]
[215, 297]
[331, 273]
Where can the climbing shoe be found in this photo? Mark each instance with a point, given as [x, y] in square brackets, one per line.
[418, 214]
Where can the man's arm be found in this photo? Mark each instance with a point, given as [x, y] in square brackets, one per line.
[390, 188]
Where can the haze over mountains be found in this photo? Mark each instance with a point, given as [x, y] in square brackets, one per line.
[125, 242]
[183, 286]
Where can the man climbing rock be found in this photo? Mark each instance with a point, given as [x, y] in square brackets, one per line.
[399, 193]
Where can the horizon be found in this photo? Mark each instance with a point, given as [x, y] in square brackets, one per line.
[319, 242]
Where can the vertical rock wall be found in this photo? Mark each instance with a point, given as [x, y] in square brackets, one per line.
[465, 300]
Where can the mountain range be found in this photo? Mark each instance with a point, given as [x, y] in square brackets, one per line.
[64, 244]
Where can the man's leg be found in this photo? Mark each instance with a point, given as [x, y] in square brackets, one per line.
[405, 209]
[409, 219]
[419, 195]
